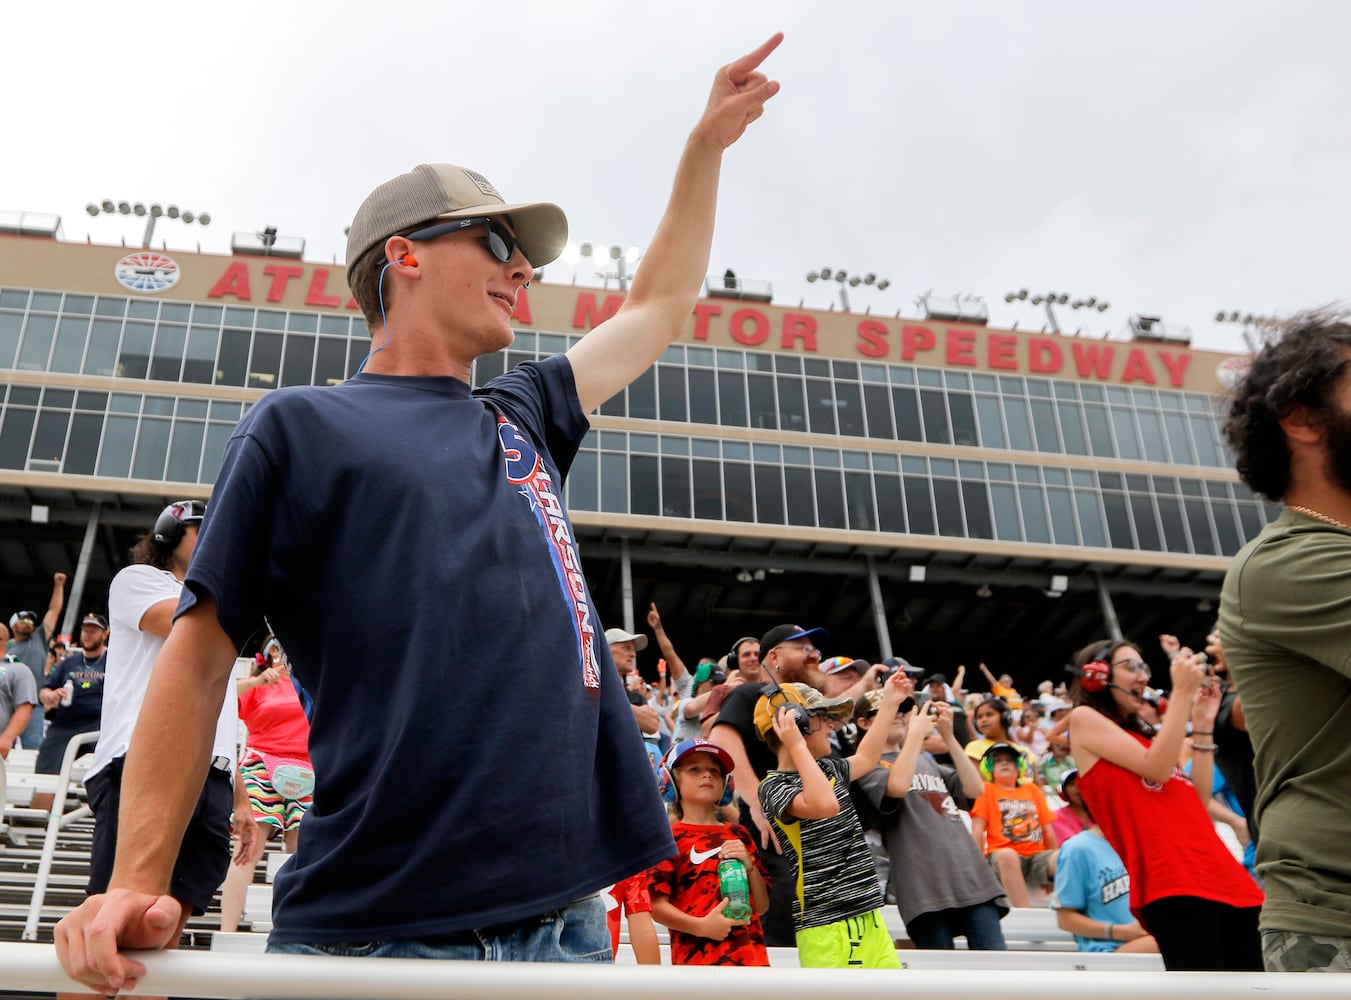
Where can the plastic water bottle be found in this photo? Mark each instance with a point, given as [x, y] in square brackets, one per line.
[67, 693]
[736, 889]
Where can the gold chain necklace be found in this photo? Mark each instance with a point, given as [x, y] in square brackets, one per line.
[1319, 516]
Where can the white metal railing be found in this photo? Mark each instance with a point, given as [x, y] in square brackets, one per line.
[57, 818]
[291, 977]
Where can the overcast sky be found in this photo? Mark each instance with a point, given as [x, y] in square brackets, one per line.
[1173, 158]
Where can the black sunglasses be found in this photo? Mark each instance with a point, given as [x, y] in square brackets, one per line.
[501, 243]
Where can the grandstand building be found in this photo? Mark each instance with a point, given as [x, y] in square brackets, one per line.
[928, 487]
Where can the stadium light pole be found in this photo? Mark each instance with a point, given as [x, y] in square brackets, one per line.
[152, 214]
[601, 256]
[1252, 322]
[1056, 298]
[852, 280]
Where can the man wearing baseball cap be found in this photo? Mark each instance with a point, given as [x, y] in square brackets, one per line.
[73, 693]
[29, 645]
[788, 654]
[405, 497]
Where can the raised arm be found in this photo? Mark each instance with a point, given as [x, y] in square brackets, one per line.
[666, 287]
[673, 661]
[57, 602]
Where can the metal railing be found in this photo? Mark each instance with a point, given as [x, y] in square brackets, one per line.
[57, 819]
[292, 977]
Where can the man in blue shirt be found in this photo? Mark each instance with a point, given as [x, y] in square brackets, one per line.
[402, 496]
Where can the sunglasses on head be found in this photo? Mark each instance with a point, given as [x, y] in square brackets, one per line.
[501, 243]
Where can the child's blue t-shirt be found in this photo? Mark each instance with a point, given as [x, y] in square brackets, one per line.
[476, 760]
[1091, 878]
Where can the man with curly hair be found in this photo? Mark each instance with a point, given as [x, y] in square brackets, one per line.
[1285, 618]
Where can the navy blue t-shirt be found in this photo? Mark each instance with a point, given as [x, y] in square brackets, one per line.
[485, 766]
[86, 700]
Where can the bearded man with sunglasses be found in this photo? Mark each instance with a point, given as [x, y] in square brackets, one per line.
[402, 496]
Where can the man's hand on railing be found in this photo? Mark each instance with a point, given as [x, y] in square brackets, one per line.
[88, 938]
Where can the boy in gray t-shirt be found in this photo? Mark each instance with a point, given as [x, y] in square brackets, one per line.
[943, 887]
[16, 690]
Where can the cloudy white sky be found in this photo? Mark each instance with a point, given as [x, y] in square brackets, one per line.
[1173, 158]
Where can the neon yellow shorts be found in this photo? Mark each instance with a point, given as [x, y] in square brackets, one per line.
[861, 942]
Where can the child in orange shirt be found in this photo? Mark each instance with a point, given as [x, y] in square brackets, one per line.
[1012, 824]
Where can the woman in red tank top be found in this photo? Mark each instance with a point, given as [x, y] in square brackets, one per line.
[1186, 887]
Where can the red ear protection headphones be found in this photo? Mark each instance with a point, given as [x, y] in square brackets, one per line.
[407, 260]
[1097, 672]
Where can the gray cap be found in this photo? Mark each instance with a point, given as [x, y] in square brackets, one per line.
[444, 191]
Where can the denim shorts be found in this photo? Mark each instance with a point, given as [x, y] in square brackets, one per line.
[576, 933]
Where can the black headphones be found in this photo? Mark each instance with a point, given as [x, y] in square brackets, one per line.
[1005, 713]
[736, 650]
[170, 524]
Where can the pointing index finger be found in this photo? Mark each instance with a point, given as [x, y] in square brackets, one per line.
[743, 67]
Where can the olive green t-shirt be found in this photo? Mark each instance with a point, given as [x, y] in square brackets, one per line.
[1285, 620]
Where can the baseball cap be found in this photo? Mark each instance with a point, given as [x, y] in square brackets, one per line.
[837, 664]
[868, 703]
[901, 663]
[614, 635]
[444, 191]
[18, 616]
[94, 618]
[839, 709]
[990, 752]
[1071, 775]
[934, 679]
[784, 633]
[686, 747]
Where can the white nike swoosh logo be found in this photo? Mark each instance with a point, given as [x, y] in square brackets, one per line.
[699, 857]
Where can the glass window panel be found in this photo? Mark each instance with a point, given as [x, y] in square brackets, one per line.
[738, 494]
[1061, 504]
[359, 348]
[211, 315]
[1083, 477]
[612, 441]
[1038, 387]
[991, 422]
[1099, 433]
[265, 363]
[142, 309]
[671, 393]
[1137, 483]
[1203, 435]
[830, 498]
[948, 503]
[1091, 522]
[582, 492]
[1064, 390]
[1017, 422]
[769, 494]
[225, 410]
[298, 360]
[642, 393]
[614, 483]
[645, 485]
[877, 410]
[11, 325]
[826, 457]
[908, 427]
[918, 505]
[152, 445]
[943, 466]
[199, 365]
[167, 362]
[707, 482]
[976, 505]
[1004, 500]
[1118, 521]
[49, 443]
[732, 450]
[672, 445]
[816, 366]
[936, 429]
[1170, 515]
[1111, 481]
[902, 375]
[1250, 518]
[97, 401]
[957, 380]
[1175, 425]
[270, 319]
[71, 334]
[858, 498]
[1043, 423]
[732, 399]
[931, 377]
[1151, 431]
[13, 298]
[798, 491]
[872, 372]
[302, 322]
[158, 406]
[82, 452]
[1203, 539]
[1033, 504]
[1012, 385]
[849, 407]
[703, 396]
[1001, 471]
[185, 451]
[890, 508]
[37, 343]
[845, 371]
[675, 486]
[614, 406]
[787, 363]
[173, 312]
[1127, 441]
[330, 361]
[234, 357]
[963, 418]
[1226, 527]
[820, 406]
[885, 463]
[487, 367]
[119, 439]
[47, 301]
[124, 402]
[1146, 528]
[760, 398]
[984, 383]
[15, 435]
[917, 464]
[1072, 427]
[792, 403]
